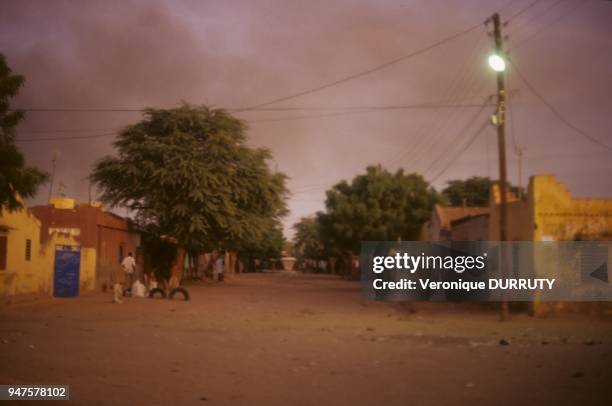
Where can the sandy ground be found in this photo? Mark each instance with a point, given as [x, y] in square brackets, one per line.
[294, 339]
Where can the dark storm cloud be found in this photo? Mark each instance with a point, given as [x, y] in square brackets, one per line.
[232, 54]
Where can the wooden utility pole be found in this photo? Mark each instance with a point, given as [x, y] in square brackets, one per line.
[500, 121]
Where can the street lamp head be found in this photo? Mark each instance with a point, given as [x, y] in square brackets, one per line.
[497, 63]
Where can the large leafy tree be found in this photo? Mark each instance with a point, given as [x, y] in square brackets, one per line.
[473, 191]
[17, 180]
[189, 175]
[376, 206]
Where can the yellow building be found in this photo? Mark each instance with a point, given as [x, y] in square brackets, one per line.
[551, 213]
[27, 263]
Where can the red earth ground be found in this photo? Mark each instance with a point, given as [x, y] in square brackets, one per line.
[296, 339]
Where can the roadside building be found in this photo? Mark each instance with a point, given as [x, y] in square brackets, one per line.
[26, 263]
[470, 228]
[438, 228]
[105, 236]
[551, 213]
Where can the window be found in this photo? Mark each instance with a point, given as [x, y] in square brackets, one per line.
[2, 252]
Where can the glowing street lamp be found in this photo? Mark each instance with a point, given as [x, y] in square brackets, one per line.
[497, 63]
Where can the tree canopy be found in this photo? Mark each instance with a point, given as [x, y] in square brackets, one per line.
[17, 180]
[267, 242]
[473, 191]
[378, 205]
[189, 174]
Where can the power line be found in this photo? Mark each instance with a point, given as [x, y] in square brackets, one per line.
[521, 11]
[556, 112]
[449, 126]
[304, 92]
[465, 82]
[465, 147]
[69, 131]
[312, 116]
[367, 107]
[453, 143]
[364, 72]
[381, 66]
[363, 110]
[298, 108]
[74, 137]
[462, 73]
[465, 79]
[563, 14]
[356, 110]
[542, 12]
[81, 110]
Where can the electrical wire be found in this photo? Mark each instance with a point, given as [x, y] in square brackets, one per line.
[465, 147]
[521, 11]
[361, 111]
[525, 22]
[73, 137]
[354, 110]
[446, 126]
[69, 131]
[556, 112]
[451, 146]
[381, 66]
[263, 109]
[544, 27]
[364, 72]
[421, 134]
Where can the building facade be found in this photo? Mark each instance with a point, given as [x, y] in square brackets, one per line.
[438, 228]
[551, 213]
[27, 263]
[107, 236]
[470, 228]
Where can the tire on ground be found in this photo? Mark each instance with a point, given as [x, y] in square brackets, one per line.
[180, 290]
[153, 291]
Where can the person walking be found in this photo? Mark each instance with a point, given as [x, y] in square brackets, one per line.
[129, 266]
[220, 266]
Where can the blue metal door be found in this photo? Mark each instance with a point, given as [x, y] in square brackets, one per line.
[67, 270]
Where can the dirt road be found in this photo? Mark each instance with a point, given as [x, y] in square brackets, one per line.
[293, 339]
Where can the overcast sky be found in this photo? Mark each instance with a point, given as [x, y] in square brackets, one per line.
[130, 54]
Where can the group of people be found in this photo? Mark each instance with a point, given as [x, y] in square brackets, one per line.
[125, 276]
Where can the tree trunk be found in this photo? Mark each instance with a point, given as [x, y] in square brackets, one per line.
[176, 272]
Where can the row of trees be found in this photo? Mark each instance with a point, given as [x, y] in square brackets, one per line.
[379, 206]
